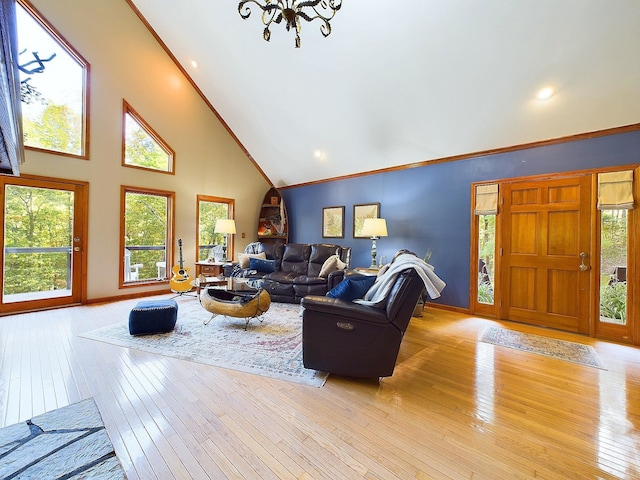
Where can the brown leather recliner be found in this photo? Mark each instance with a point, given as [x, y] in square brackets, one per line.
[354, 340]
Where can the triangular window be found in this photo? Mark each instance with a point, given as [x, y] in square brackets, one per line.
[142, 146]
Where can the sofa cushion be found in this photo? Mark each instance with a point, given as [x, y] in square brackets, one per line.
[244, 258]
[319, 254]
[352, 287]
[309, 280]
[332, 264]
[262, 265]
[281, 276]
[274, 251]
[295, 258]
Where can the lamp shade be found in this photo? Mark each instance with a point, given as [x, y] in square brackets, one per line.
[225, 225]
[374, 227]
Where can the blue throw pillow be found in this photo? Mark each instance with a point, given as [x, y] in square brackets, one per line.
[262, 265]
[352, 287]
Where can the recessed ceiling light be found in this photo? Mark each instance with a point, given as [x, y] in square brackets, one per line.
[545, 93]
[318, 154]
[194, 64]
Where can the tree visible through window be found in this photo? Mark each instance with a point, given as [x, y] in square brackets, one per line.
[614, 236]
[146, 234]
[486, 258]
[53, 94]
[211, 209]
[143, 147]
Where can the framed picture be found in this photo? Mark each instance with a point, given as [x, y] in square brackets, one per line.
[362, 212]
[333, 222]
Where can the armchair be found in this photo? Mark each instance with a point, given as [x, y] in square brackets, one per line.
[356, 340]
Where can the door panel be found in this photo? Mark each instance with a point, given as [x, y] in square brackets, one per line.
[547, 226]
[42, 243]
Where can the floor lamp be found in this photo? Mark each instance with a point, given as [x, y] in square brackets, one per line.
[374, 228]
[226, 226]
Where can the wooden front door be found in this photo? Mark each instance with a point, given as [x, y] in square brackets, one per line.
[546, 254]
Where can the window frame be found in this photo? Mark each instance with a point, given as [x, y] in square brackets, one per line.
[230, 214]
[170, 233]
[86, 69]
[127, 109]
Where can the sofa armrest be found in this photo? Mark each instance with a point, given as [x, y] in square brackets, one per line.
[334, 278]
[334, 307]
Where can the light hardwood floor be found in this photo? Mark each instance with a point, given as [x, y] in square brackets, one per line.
[454, 408]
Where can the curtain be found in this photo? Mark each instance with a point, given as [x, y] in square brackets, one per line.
[486, 199]
[615, 190]
[11, 146]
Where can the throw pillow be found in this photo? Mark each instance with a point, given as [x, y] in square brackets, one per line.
[262, 265]
[331, 264]
[243, 258]
[352, 287]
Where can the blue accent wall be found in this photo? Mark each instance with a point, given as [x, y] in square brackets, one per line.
[429, 207]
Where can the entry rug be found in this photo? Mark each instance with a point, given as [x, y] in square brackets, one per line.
[271, 347]
[69, 443]
[549, 347]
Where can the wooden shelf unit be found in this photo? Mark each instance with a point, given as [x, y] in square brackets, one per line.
[273, 224]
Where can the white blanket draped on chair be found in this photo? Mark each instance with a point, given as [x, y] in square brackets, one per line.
[378, 293]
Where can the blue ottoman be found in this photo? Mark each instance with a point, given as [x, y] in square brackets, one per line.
[153, 316]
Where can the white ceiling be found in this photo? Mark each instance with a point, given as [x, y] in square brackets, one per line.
[400, 81]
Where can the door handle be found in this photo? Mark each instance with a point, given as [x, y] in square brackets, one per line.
[583, 256]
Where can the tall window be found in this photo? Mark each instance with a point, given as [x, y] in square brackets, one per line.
[53, 80]
[142, 146]
[211, 209]
[145, 234]
[614, 237]
[486, 257]
[486, 209]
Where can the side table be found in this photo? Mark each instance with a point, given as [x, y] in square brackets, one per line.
[367, 270]
[211, 269]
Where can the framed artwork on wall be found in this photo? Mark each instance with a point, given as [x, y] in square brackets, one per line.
[362, 212]
[333, 222]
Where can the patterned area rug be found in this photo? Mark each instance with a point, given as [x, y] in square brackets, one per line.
[549, 347]
[69, 442]
[272, 348]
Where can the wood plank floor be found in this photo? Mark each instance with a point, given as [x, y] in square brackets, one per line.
[454, 408]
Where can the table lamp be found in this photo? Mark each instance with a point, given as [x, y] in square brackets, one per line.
[374, 228]
[226, 226]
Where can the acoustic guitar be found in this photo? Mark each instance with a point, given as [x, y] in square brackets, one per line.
[181, 281]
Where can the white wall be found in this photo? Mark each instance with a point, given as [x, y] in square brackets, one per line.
[127, 62]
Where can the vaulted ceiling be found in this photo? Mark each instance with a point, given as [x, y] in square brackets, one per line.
[399, 82]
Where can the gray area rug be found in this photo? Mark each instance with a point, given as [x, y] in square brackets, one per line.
[68, 443]
[271, 347]
[549, 347]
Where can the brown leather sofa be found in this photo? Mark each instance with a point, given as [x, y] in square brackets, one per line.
[354, 340]
[297, 270]
[298, 274]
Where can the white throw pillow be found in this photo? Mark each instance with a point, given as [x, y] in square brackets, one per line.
[331, 264]
[243, 258]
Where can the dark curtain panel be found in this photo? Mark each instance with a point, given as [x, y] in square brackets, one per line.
[11, 146]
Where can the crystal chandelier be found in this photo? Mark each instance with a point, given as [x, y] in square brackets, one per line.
[291, 11]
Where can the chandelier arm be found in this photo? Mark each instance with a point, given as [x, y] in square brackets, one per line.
[247, 8]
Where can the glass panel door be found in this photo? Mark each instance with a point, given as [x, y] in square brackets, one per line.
[42, 245]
